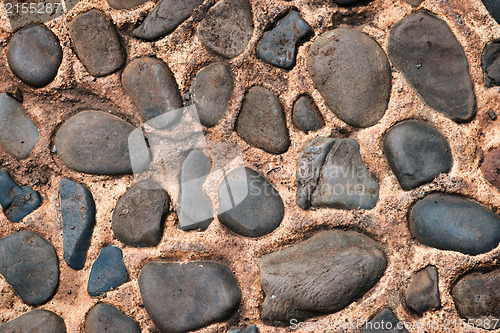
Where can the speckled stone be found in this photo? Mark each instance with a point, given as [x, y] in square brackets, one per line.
[384, 322]
[493, 6]
[104, 318]
[424, 49]
[422, 294]
[34, 55]
[37, 321]
[17, 202]
[172, 294]
[125, 4]
[108, 272]
[306, 116]
[491, 167]
[491, 64]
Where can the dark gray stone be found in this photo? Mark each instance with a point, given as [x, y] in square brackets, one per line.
[78, 220]
[493, 6]
[18, 134]
[491, 167]
[422, 293]
[425, 50]
[384, 322]
[108, 272]
[306, 116]
[211, 90]
[29, 264]
[477, 298]
[346, 2]
[261, 122]
[415, 3]
[17, 202]
[417, 153]
[125, 4]
[104, 318]
[491, 64]
[139, 214]
[34, 55]
[172, 294]
[249, 329]
[37, 321]
[352, 73]
[321, 275]
[165, 17]
[227, 28]
[278, 47]
[450, 222]
[259, 213]
[96, 43]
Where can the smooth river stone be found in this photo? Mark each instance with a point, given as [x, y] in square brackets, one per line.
[227, 28]
[422, 293]
[321, 275]
[97, 43]
[425, 50]
[37, 321]
[152, 87]
[125, 4]
[18, 134]
[165, 17]
[352, 73]
[306, 116]
[417, 153]
[491, 167]
[172, 294]
[415, 3]
[211, 90]
[29, 264]
[450, 222]
[34, 55]
[261, 122]
[105, 318]
[108, 272]
[491, 64]
[384, 322]
[17, 202]
[493, 6]
[95, 142]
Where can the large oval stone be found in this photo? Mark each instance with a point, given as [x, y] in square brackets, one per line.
[450, 222]
[185, 297]
[352, 73]
[321, 275]
[426, 51]
[37, 321]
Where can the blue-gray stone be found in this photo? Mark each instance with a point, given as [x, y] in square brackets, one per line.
[279, 46]
[17, 202]
[78, 219]
[450, 222]
[306, 116]
[29, 264]
[108, 272]
[105, 318]
[37, 321]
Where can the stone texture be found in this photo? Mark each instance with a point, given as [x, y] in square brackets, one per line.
[261, 122]
[494, 8]
[78, 219]
[306, 116]
[96, 43]
[29, 264]
[17, 202]
[422, 293]
[278, 46]
[211, 90]
[104, 318]
[450, 222]
[125, 4]
[108, 272]
[34, 55]
[172, 294]
[139, 214]
[346, 2]
[384, 322]
[18, 134]
[491, 167]
[165, 17]
[417, 153]
[352, 73]
[227, 28]
[249, 329]
[259, 213]
[491, 64]
[425, 50]
[37, 321]
[415, 3]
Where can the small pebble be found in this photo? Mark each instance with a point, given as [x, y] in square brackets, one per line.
[108, 272]
[422, 293]
[17, 202]
[492, 114]
[306, 116]
[491, 167]
[491, 64]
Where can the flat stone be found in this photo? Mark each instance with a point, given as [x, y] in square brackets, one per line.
[259, 213]
[321, 275]
[278, 46]
[477, 299]
[306, 116]
[29, 264]
[491, 64]
[96, 43]
[125, 4]
[384, 322]
[152, 86]
[95, 142]
[494, 8]
[78, 220]
[415, 3]
[227, 28]
[37, 321]
[165, 17]
[249, 329]
[210, 92]
[352, 73]
[422, 293]
[172, 294]
[417, 153]
[454, 223]
[17, 202]
[18, 134]
[108, 272]
[34, 55]
[104, 318]
[491, 167]
[139, 214]
[261, 122]
[424, 49]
